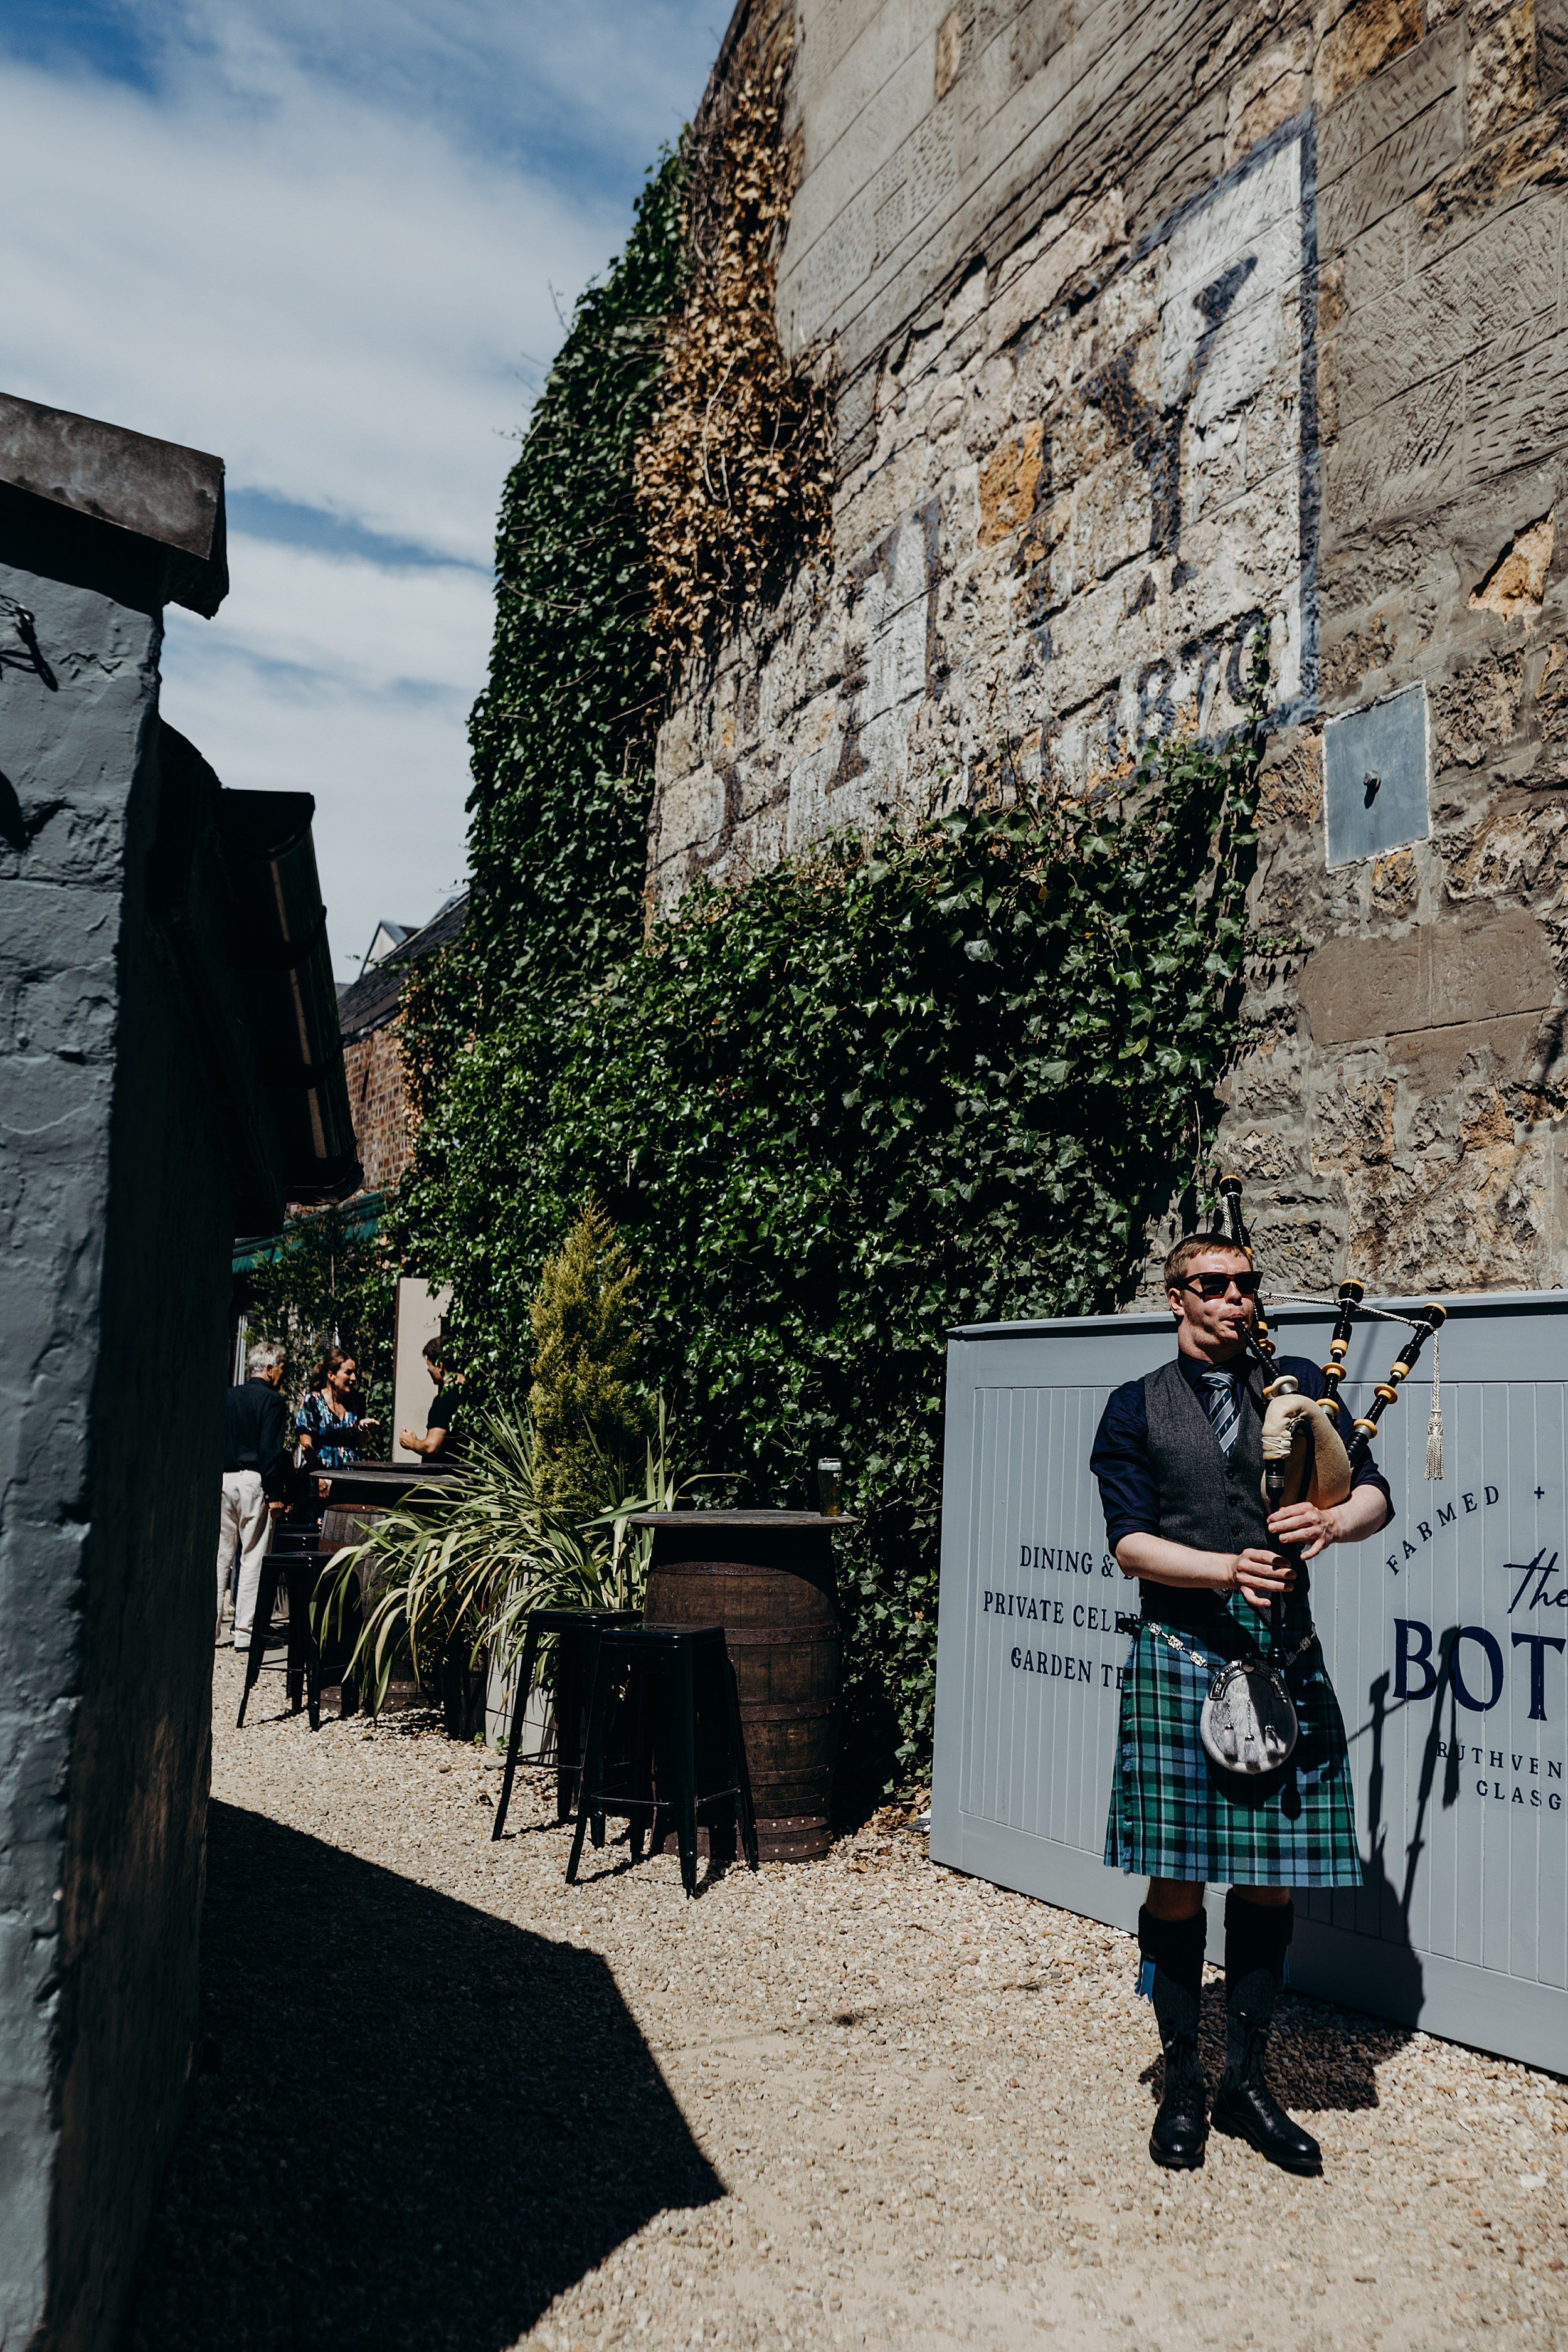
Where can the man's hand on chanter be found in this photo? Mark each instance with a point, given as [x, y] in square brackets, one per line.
[1262, 1577]
[1303, 1524]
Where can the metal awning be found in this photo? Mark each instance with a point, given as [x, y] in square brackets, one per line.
[360, 1218]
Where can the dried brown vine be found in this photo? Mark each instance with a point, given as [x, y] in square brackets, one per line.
[734, 478]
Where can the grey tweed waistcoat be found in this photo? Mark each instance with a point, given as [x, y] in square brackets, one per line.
[1205, 1501]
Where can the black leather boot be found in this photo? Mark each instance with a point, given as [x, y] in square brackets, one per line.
[1176, 1949]
[1255, 1938]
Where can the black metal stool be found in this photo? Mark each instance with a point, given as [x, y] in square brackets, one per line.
[576, 1631]
[298, 1567]
[685, 1673]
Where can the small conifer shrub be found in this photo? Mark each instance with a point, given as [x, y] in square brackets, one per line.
[586, 1410]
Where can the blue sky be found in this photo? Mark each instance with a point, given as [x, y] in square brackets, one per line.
[334, 241]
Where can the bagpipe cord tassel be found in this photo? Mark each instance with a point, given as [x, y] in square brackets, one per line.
[1435, 1423]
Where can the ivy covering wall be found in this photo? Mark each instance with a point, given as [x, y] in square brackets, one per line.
[328, 1281]
[561, 736]
[561, 740]
[940, 1077]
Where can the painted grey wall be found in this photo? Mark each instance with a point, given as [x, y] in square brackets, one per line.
[115, 1217]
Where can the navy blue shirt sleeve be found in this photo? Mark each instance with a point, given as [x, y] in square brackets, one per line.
[1119, 1456]
[256, 1435]
[1120, 1460]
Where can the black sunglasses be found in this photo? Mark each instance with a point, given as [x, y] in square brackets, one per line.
[1214, 1286]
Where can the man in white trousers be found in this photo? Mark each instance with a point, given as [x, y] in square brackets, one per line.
[255, 1481]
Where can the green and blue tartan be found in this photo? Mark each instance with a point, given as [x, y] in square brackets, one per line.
[1174, 1815]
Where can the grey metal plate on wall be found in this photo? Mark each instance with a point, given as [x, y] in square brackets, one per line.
[1374, 777]
[1445, 1636]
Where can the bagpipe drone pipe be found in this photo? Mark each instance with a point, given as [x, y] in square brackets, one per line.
[1349, 1303]
[1305, 1452]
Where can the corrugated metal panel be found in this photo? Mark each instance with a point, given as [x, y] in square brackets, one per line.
[1446, 1638]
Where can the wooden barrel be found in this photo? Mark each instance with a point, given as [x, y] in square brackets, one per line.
[304, 1545]
[358, 1499]
[768, 1577]
[349, 1523]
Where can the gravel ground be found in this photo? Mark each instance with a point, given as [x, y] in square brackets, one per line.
[446, 2101]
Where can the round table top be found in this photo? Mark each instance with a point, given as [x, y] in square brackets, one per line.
[778, 1521]
[381, 1478]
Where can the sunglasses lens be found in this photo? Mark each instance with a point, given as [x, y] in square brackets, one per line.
[1214, 1286]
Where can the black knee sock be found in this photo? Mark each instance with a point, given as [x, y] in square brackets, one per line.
[1176, 1949]
[1257, 1937]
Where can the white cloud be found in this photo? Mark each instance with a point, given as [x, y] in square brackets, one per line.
[351, 680]
[593, 86]
[331, 241]
[388, 767]
[335, 301]
[373, 625]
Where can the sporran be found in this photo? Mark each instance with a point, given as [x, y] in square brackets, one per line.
[1249, 1723]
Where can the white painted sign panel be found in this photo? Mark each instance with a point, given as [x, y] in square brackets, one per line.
[421, 1309]
[1446, 1638]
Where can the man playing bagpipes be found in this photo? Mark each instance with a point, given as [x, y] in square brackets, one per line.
[1237, 1778]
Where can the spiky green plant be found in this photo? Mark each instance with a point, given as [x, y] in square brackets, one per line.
[454, 1571]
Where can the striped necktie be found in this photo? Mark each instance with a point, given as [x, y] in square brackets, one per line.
[1223, 1405]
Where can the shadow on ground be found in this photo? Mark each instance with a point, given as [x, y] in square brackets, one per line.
[413, 2124]
[1319, 2058]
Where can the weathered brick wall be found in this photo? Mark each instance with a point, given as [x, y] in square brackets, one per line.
[1148, 328]
[379, 1106]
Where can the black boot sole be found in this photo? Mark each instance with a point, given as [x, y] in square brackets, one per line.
[1310, 2168]
[1175, 2163]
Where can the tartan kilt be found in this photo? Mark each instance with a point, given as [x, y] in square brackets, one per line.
[1174, 1815]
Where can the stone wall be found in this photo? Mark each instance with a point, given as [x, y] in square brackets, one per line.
[134, 1859]
[60, 880]
[116, 1198]
[1151, 325]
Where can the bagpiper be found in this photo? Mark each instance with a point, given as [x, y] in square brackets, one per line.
[1179, 1457]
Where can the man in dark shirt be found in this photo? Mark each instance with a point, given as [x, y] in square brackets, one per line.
[255, 1481]
[440, 1442]
[1178, 1457]
[1120, 1460]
